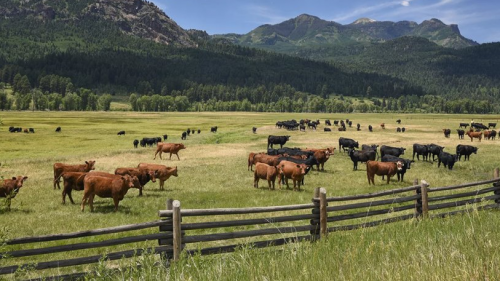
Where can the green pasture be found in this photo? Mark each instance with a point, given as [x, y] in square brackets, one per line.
[213, 174]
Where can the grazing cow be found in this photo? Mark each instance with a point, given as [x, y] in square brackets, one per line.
[291, 170]
[447, 133]
[336, 122]
[398, 130]
[60, 168]
[107, 187]
[447, 159]
[188, 131]
[266, 172]
[395, 151]
[163, 173]
[466, 151]
[172, 148]
[420, 149]
[143, 174]
[370, 128]
[199, 131]
[327, 122]
[464, 125]
[32, 130]
[388, 169]
[406, 165]
[213, 129]
[382, 125]
[345, 144]
[342, 129]
[183, 137]
[477, 135]
[254, 130]
[136, 142]
[281, 140]
[10, 187]
[58, 129]
[165, 137]
[72, 181]
[460, 133]
[361, 156]
[121, 133]
[151, 141]
[492, 125]
[327, 129]
[302, 128]
[358, 126]
[398, 121]
[403, 129]
[434, 149]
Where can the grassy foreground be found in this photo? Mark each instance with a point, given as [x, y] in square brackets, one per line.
[213, 174]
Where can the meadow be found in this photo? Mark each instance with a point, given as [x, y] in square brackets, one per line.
[213, 174]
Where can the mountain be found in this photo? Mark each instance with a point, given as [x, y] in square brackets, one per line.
[307, 31]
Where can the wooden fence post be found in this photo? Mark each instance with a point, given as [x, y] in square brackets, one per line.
[425, 198]
[496, 175]
[323, 214]
[315, 231]
[168, 222]
[418, 201]
[176, 227]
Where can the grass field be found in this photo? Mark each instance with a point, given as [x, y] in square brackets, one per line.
[213, 174]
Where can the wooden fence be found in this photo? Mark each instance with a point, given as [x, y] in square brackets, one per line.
[278, 225]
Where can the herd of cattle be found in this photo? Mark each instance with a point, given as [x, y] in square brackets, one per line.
[341, 124]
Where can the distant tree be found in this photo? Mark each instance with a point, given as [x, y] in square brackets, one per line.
[105, 102]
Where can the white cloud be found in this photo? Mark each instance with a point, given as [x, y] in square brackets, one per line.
[363, 11]
[264, 14]
[405, 3]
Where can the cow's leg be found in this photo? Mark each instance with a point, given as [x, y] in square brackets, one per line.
[388, 178]
[84, 199]
[178, 156]
[116, 201]
[170, 156]
[162, 182]
[286, 181]
[140, 190]
[279, 181]
[255, 181]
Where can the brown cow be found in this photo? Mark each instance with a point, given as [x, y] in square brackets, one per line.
[10, 187]
[172, 148]
[322, 155]
[144, 175]
[72, 181]
[60, 168]
[271, 160]
[382, 125]
[388, 169]
[251, 160]
[163, 172]
[266, 172]
[477, 135]
[486, 134]
[293, 171]
[107, 187]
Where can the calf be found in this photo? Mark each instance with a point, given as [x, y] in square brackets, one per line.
[447, 159]
[406, 165]
[10, 187]
[266, 172]
[388, 169]
[120, 133]
[136, 142]
[172, 148]
[60, 168]
[395, 151]
[143, 174]
[477, 135]
[361, 156]
[163, 173]
[107, 187]
[460, 133]
[466, 151]
[420, 149]
[290, 170]
[447, 133]
[72, 181]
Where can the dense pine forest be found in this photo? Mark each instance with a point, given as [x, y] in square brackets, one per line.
[80, 61]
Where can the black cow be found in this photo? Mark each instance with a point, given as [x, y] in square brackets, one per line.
[398, 121]
[460, 133]
[361, 156]
[465, 125]
[213, 129]
[188, 131]
[151, 141]
[184, 135]
[58, 129]
[447, 159]
[136, 142]
[32, 130]
[165, 137]
[435, 149]
[493, 134]
[479, 126]
[345, 144]
[406, 165]
[302, 128]
[336, 122]
[398, 130]
[311, 125]
[327, 122]
[373, 147]
[492, 125]
[447, 133]
[420, 149]
[327, 129]
[358, 126]
[254, 130]
[281, 140]
[143, 143]
[466, 151]
[395, 151]
[403, 129]
[350, 124]
[120, 133]
[289, 151]
[199, 131]
[370, 128]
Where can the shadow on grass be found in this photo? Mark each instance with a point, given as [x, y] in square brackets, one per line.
[15, 211]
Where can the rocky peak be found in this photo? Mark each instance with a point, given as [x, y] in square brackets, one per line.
[363, 21]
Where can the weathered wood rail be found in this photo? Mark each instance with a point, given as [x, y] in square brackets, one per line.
[260, 226]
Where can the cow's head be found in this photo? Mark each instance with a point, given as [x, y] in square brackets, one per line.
[90, 165]
[153, 174]
[19, 180]
[399, 165]
[287, 138]
[474, 150]
[174, 172]
[402, 149]
[181, 146]
[302, 168]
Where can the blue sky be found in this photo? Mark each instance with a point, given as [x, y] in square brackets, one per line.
[478, 20]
